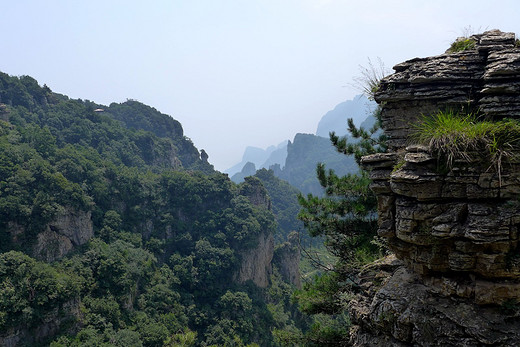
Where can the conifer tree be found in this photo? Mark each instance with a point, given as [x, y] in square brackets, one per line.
[347, 219]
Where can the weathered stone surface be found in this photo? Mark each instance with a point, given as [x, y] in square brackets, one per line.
[424, 214]
[419, 157]
[75, 224]
[454, 230]
[256, 262]
[51, 246]
[4, 113]
[398, 307]
[379, 160]
[69, 229]
[487, 77]
[39, 335]
[287, 260]
[386, 215]
[468, 211]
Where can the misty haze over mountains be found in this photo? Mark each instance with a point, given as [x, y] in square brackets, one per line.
[261, 158]
[296, 161]
[359, 109]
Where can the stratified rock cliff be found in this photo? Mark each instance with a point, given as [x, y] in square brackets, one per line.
[456, 279]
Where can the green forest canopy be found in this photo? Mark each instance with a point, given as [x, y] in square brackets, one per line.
[169, 231]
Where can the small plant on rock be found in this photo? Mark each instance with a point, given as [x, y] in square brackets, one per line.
[369, 81]
[462, 44]
[454, 136]
[466, 41]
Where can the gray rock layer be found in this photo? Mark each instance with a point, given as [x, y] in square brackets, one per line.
[400, 308]
[455, 231]
[69, 229]
[487, 78]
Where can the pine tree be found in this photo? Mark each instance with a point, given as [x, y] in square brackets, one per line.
[346, 217]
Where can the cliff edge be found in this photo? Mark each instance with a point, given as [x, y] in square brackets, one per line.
[455, 280]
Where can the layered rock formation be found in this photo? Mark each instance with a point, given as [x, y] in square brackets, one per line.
[486, 77]
[455, 232]
[400, 308]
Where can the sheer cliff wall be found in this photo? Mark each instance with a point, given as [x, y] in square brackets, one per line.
[454, 232]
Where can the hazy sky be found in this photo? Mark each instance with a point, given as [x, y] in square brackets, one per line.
[234, 73]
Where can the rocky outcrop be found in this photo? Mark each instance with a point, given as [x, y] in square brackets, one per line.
[255, 191]
[486, 78]
[465, 221]
[4, 112]
[256, 263]
[51, 246]
[454, 230]
[287, 260]
[51, 323]
[249, 169]
[400, 308]
[69, 229]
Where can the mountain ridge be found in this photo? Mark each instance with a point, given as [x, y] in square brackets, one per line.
[115, 230]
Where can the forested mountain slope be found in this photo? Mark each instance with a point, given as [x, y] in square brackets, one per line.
[303, 154]
[115, 230]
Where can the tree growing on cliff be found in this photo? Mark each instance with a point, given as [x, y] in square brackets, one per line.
[347, 219]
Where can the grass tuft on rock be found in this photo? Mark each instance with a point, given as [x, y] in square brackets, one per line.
[462, 44]
[454, 136]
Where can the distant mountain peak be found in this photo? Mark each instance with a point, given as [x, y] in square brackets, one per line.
[359, 108]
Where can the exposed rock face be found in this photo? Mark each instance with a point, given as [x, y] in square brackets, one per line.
[400, 309]
[170, 159]
[464, 221]
[455, 231]
[51, 323]
[4, 113]
[255, 191]
[51, 246]
[70, 228]
[256, 262]
[487, 77]
[287, 259]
